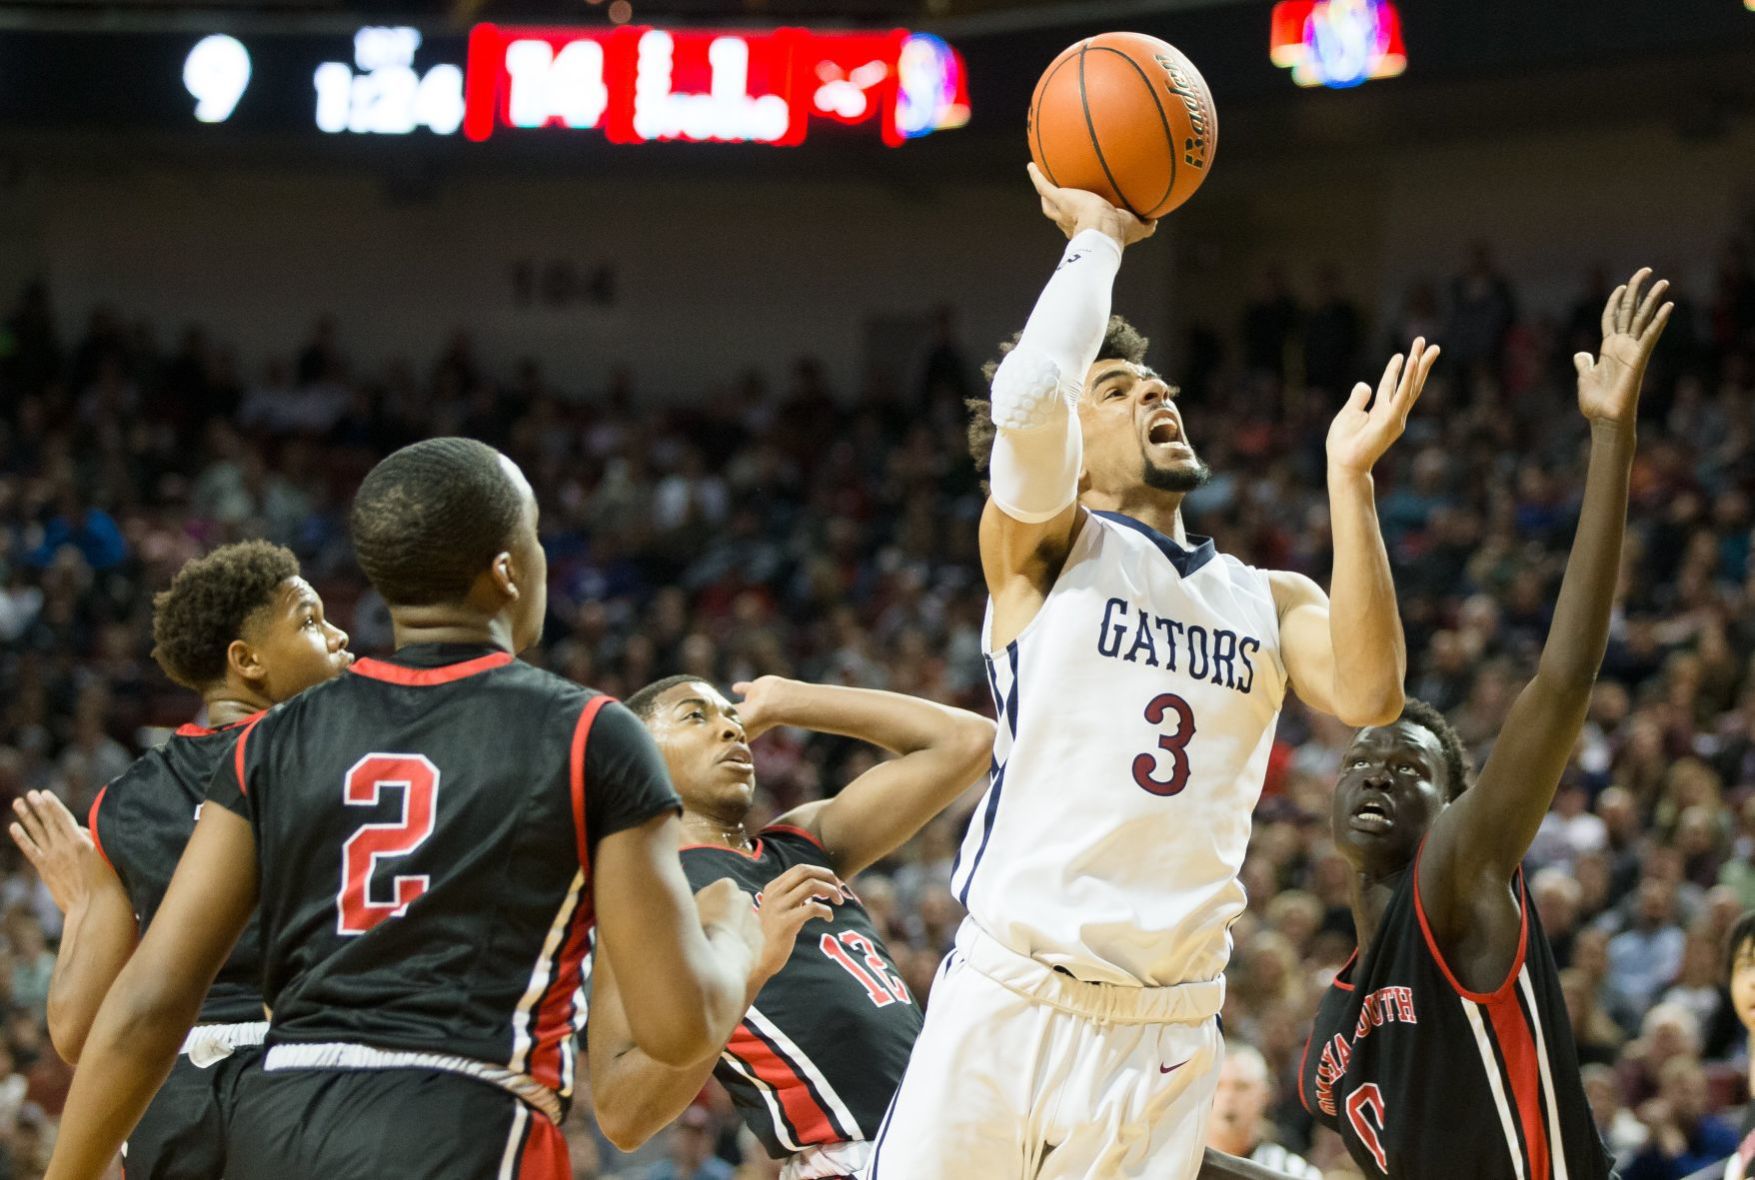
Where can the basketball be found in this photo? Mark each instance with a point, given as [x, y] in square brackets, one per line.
[1128, 117]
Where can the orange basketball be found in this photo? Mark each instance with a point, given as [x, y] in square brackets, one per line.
[1127, 117]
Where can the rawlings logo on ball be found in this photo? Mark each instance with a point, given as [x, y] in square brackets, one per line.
[1194, 147]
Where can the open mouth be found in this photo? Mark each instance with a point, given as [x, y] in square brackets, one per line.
[1371, 815]
[1163, 432]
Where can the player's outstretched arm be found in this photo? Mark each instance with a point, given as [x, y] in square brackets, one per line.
[99, 932]
[1480, 839]
[1032, 512]
[943, 751]
[158, 995]
[1345, 653]
[684, 962]
[634, 1095]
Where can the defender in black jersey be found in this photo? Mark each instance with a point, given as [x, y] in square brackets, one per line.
[432, 838]
[243, 629]
[820, 1051]
[1443, 1050]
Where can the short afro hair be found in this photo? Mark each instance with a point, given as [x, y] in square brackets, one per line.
[1121, 342]
[208, 605]
[645, 702]
[1458, 771]
[431, 517]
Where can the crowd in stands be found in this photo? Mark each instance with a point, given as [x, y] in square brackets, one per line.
[771, 526]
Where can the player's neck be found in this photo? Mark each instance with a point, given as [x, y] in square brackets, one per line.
[228, 704]
[1370, 896]
[1159, 510]
[704, 829]
[448, 623]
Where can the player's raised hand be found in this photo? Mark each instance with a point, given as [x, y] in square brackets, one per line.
[1368, 424]
[1608, 384]
[761, 706]
[793, 898]
[1074, 210]
[722, 904]
[57, 847]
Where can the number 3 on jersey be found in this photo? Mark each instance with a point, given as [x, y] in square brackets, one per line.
[1163, 708]
[365, 783]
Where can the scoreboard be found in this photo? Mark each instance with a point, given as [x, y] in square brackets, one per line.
[626, 84]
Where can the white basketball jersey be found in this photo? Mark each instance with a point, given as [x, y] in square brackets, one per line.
[1136, 715]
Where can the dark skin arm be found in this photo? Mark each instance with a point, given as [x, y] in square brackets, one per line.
[1478, 841]
[99, 933]
[637, 1096]
[942, 752]
[156, 998]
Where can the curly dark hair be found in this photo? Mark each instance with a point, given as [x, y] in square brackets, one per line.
[430, 518]
[645, 702]
[209, 603]
[1458, 773]
[1121, 342]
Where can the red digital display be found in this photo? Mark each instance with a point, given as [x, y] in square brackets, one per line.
[645, 85]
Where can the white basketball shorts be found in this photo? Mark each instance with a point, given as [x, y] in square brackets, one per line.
[1023, 1072]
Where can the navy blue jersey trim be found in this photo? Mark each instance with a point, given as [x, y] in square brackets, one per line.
[1186, 560]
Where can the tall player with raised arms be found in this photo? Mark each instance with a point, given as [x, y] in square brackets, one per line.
[1443, 1050]
[1137, 676]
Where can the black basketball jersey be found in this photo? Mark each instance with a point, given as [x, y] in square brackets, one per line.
[140, 823]
[822, 1050]
[425, 827]
[1426, 1080]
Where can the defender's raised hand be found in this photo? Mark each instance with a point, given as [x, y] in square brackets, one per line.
[1608, 385]
[1359, 436]
[57, 847]
[1074, 210]
[793, 898]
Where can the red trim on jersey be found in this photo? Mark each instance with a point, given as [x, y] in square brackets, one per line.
[756, 855]
[1303, 1060]
[809, 1120]
[1523, 1067]
[1351, 959]
[427, 677]
[190, 729]
[576, 775]
[795, 830]
[554, 1014]
[238, 753]
[1523, 939]
[544, 1154]
[91, 825]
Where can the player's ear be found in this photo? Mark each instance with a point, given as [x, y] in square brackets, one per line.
[504, 572]
[244, 662]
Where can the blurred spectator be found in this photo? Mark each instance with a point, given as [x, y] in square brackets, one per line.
[1684, 1137]
[1239, 1124]
[691, 1151]
[1332, 335]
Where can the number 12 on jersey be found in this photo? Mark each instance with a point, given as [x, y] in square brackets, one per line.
[418, 779]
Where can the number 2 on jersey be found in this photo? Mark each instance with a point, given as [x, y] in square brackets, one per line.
[1146, 766]
[419, 781]
[1368, 1098]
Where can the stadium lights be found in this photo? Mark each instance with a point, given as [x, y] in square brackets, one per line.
[216, 73]
[1339, 43]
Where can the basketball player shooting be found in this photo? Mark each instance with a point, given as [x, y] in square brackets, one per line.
[1453, 966]
[1137, 675]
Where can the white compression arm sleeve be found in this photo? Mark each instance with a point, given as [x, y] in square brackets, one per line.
[1034, 473]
